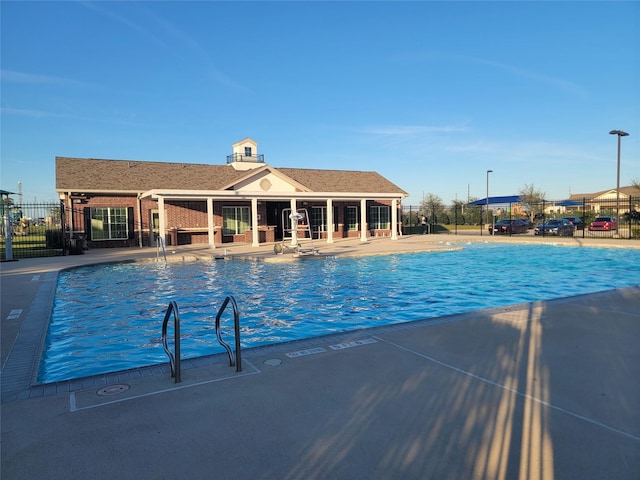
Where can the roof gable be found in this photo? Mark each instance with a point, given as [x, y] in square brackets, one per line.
[266, 179]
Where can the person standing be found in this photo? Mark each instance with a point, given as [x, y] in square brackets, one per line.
[423, 222]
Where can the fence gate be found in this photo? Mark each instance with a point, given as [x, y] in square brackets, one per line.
[32, 230]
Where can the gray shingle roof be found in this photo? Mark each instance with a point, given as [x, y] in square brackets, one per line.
[341, 180]
[88, 174]
[122, 175]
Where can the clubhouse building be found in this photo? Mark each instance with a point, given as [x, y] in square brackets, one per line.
[116, 203]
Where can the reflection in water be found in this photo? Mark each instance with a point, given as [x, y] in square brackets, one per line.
[282, 302]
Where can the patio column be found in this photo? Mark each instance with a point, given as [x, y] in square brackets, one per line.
[162, 224]
[294, 224]
[211, 227]
[139, 205]
[70, 217]
[329, 220]
[363, 220]
[255, 241]
[394, 219]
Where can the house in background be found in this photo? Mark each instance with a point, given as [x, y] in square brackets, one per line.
[130, 203]
[606, 199]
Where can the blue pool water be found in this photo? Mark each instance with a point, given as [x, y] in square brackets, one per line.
[108, 318]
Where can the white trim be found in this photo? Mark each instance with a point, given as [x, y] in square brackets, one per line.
[329, 220]
[211, 227]
[236, 195]
[294, 231]
[364, 226]
[162, 223]
[394, 219]
[254, 223]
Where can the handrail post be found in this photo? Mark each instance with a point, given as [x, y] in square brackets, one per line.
[160, 244]
[174, 360]
[176, 342]
[236, 325]
[237, 358]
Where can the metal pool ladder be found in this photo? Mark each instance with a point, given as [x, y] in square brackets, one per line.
[174, 360]
[235, 358]
[160, 245]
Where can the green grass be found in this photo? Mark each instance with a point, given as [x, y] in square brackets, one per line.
[28, 246]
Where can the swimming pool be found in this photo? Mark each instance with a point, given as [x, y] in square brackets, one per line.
[108, 318]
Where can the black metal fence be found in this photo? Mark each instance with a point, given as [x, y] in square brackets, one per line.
[475, 219]
[32, 230]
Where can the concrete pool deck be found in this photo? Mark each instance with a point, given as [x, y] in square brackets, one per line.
[541, 390]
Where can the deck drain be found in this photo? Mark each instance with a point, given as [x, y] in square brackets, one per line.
[273, 362]
[113, 389]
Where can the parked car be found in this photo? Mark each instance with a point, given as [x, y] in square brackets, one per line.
[633, 216]
[603, 224]
[577, 222]
[528, 223]
[509, 226]
[556, 226]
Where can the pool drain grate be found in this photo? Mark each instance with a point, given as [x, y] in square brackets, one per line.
[113, 390]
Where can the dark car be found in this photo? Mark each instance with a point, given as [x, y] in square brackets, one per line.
[556, 226]
[528, 223]
[632, 216]
[603, 224]
[577, 222]
[509, 226]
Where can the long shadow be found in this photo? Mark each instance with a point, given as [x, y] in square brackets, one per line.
[516, 400]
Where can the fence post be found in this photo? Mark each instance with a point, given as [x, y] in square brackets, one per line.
[8, 234]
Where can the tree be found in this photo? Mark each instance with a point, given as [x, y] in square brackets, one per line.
[456, 212]
[532, 200]
[432, 207]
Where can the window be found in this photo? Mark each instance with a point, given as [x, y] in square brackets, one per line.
[379, 217]
[247, 151]
[319, 218]
[352, 218]
[235, 220]
[109, 223]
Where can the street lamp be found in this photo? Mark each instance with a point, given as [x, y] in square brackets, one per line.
[620, 134]
[488, 172]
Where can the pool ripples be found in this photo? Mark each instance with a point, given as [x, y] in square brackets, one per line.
[109, 318]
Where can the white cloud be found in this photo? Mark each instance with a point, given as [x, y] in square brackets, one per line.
[11, 76]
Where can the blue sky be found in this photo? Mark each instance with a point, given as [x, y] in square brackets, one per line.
[429, 94]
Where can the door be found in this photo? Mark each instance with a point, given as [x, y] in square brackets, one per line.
[274, 217]
[154, 223]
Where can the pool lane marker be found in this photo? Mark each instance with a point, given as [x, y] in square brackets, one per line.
[337, 346]
[355, 343]
[14, 314]
[303, 353]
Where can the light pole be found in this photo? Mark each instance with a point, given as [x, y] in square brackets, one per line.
[488, 172]
[620, 134]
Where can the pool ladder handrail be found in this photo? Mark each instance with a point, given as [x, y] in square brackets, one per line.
[174, 359]
[234, 360]
[160, 245]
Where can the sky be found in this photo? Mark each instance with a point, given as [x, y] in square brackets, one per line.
[430, 95]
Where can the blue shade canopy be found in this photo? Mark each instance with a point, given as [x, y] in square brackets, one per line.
[497, 200]
[569, 203]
